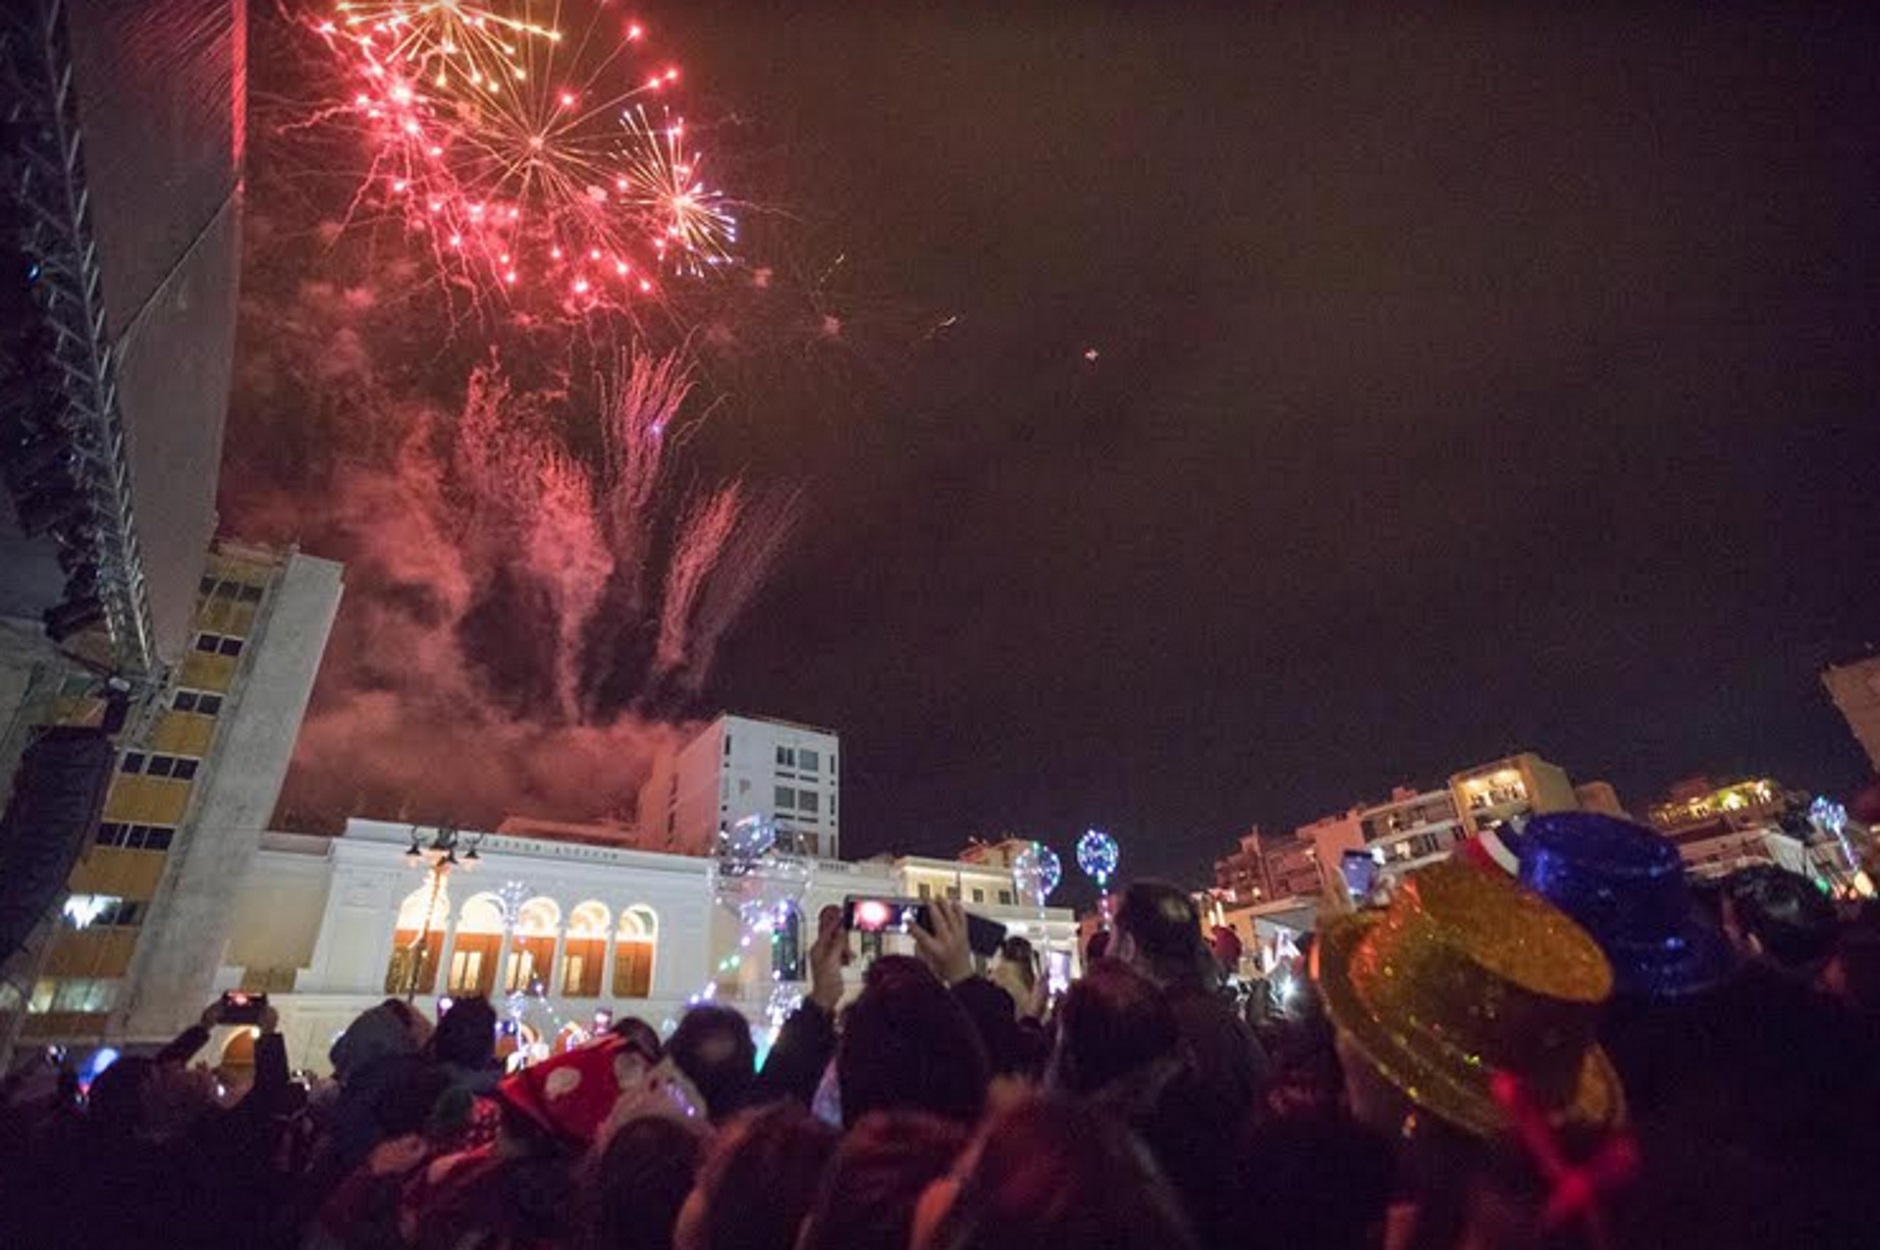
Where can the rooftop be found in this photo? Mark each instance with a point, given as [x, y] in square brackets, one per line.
[775, 720]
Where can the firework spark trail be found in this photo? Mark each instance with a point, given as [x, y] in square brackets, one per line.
[566, 545]
[445, 40]
[662, 180]
[526, 160]
[705, 530]
[640, 422]
[765, 526]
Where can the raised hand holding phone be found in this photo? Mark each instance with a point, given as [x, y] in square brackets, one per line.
[941, 939]
[826, 957]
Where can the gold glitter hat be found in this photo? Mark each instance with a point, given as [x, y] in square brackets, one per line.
[1466, 975]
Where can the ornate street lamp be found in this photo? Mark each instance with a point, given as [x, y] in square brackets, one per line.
[437, 854]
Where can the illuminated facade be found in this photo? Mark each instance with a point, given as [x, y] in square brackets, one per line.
[552, 929]
[1719, 828]
[143, 927]
[1699, 801]
[1493, 794]
[1406, 832]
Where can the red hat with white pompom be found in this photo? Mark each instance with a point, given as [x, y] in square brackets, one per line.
[576, 1094]
[572, 1094]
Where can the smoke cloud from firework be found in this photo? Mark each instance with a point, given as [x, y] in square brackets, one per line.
[535, 586]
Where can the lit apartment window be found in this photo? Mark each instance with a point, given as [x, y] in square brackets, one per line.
[78, 994]
[94, 911]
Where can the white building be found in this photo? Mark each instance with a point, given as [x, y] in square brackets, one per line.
[330, 926]
[746, 766]
[1411, 830]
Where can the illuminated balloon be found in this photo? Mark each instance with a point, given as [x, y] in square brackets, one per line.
[1097, 855]
[1828, 816]
[1037, 870]
[747, 839]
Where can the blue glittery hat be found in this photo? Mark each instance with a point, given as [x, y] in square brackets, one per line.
[1626, 887]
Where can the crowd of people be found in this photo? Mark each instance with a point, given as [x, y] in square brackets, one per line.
[1591, 1053]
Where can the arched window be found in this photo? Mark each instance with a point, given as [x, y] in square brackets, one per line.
[479, 942]
[633, 957]
[418, 940]
[239, 1051]
[584, 954]
[532, 947]
[786, 944]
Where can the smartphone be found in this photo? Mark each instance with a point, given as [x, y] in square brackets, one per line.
[1360, 871]
[241, 1007]
[869, 914]
[985, 937]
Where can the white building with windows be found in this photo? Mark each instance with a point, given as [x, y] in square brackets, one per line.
[746, 766]
[330, 926]
[1411, 830]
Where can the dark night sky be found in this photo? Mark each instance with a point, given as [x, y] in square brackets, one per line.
[1467, 384]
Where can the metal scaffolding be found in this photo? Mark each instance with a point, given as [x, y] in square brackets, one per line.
[47, 177]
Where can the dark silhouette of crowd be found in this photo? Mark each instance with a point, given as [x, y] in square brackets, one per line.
[1593, 1052]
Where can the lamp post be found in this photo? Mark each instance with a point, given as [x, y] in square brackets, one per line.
[437, 855]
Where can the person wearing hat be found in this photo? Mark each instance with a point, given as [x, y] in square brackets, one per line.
[519, 1191]
[1626, 887]
[1466, 987]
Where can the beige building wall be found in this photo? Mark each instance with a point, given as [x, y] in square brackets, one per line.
[1855, 689]
[1503, 789]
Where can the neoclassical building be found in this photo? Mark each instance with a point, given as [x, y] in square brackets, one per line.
[552, 926]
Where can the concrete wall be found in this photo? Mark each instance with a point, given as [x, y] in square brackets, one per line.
[275, 925]
[1549, 787]
[1855, 689]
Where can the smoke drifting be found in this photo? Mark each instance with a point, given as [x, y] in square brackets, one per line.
[535, 588]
